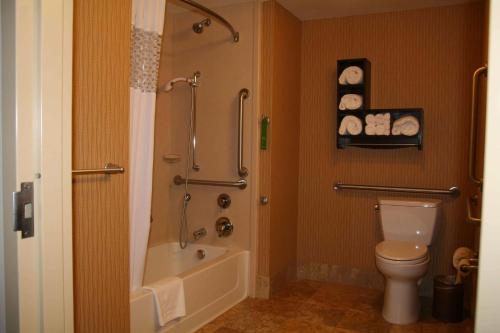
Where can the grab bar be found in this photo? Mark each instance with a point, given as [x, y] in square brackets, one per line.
[244, 93]
[236, 35]
[452, 191]
[472, 201]
[472, 141]
[194, 84]
[109, 169]
[241, 183]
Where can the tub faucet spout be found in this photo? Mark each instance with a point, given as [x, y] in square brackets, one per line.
[200, 233]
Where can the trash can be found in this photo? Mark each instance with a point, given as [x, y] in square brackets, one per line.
[448, 301]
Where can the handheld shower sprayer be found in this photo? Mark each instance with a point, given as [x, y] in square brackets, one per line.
[193, 82]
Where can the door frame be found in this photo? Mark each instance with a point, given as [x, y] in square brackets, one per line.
[488, 293]
[40, 275]
[56, 59]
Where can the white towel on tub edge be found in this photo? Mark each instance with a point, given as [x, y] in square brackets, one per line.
[169, 299]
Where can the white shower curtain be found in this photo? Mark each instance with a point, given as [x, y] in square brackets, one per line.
[147, 28]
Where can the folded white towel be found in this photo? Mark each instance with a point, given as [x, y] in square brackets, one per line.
[370, 129]
[350, 125]
[370, 119]
[351, 75]
[351, 102]
[169, 299]
[378, 124]
[407, 126]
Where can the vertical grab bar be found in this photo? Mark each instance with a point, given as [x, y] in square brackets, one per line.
[472, 142]
[194, 85]
[242, 171]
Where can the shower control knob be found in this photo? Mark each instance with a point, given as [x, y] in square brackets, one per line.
[224, 200]
[224, 227]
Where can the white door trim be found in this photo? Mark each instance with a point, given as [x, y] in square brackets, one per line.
[488, 297]
[42, 298]
[56, 194]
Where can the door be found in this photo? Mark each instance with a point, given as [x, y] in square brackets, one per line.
[36, 151]
[488, 299]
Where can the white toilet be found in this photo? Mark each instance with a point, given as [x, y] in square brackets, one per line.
[408, 228]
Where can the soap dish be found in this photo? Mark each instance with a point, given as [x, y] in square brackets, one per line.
[172, 158]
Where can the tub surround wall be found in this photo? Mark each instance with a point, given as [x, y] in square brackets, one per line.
[226, 67]
[101, 67]
[280, 100]
[420, 58]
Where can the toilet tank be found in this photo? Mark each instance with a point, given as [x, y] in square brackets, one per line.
[409, 219]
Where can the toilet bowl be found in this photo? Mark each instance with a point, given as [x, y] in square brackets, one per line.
[403, 265]
[408, 227]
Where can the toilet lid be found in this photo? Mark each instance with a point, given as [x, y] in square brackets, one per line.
[401, 250]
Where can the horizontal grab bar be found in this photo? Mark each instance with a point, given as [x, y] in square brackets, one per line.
[109, 169]
[241, 184]
[452, 191]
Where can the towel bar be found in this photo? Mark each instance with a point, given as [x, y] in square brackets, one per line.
[109, 169]
[452, 191]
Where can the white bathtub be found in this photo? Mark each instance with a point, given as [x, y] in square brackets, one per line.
[212, 285]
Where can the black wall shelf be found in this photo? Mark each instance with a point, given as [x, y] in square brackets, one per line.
[382, 141]
[372, 141]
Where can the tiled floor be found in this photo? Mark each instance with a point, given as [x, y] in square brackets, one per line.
[310, 307]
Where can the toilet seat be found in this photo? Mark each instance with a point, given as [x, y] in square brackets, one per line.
[401, 252]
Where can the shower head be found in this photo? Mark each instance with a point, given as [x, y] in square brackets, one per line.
[198, 26]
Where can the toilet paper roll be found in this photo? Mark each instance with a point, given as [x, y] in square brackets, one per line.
[461, 253]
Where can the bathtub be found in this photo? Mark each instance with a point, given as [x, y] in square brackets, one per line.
[212, 285]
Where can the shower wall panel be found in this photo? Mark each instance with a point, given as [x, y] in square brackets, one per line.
[226, 67]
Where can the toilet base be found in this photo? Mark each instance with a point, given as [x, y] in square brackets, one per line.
[401, 302]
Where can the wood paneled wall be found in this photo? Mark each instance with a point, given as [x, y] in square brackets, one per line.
[100, 135]
[279, 164]
[420, 58]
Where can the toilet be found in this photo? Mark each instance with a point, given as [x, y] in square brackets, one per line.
[408, 227]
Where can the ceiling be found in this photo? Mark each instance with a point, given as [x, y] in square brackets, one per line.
[318, 9]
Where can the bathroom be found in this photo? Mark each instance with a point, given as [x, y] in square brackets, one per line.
[269, 166]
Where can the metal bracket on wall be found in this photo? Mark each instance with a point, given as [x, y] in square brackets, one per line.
[23, 210]
[472, 201]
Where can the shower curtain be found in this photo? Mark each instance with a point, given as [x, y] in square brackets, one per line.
[147, 28]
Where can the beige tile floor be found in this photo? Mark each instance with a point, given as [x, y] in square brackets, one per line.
[310, 307]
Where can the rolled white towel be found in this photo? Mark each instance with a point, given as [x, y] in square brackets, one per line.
[350, 125]
[407, 126]
[351, 102]
[351, 75]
